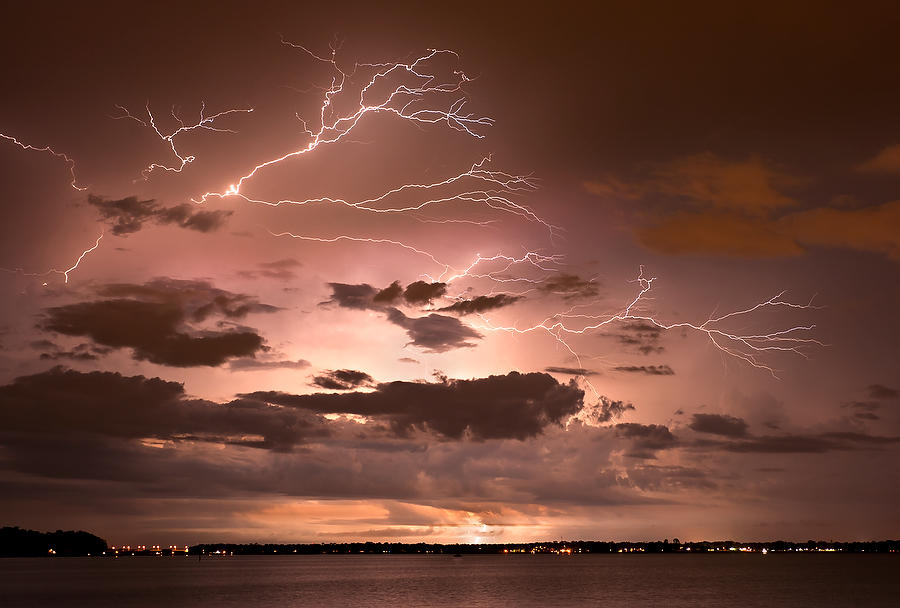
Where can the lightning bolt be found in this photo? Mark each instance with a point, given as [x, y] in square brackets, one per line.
[69, 162]
[204, 122]
[498, 199]
[64, 273]
[747, 347]
[419, 92]
[409, 86]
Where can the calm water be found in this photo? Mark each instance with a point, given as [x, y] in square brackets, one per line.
[435, 580]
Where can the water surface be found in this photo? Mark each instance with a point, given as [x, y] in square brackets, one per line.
[819, 580]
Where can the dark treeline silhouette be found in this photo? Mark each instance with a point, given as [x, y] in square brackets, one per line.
[16, 542]
[555, 547]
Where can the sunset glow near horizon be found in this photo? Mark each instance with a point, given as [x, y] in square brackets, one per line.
[427, 282]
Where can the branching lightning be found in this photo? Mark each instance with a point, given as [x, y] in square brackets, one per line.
[204, 122]
[69, 162]
[747, 347]
[419, 92]
[64, 273]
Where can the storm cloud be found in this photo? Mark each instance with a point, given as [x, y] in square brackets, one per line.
[719, 424]
[128, 215]
[156, 320]
[342, 379]
[434, 333]
[512, 406]
[133, 407]
[481, 304]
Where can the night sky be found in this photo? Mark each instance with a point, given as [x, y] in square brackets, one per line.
[619, 272]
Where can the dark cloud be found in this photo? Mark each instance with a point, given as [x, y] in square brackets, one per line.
[719, 424]
[199, 298]
[407, 360]
[481, 304]
[417, 293]
[154, 320]
[652, 370]
[343, 380]
[389, 294]
[359, 297]
[803, 444]
[643, 336]
[420, 292]
[282, 270]
[607, 409]
[132, 407]
[782, 444]
[364, 296]
[511, 406]
[435, 333]
[570, 287]
[242, 365]
[79, 352]
[570, 371]
[879, 391]
[645, 439]
[128, 215]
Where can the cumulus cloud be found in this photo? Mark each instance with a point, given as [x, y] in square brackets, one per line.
[606, 409]
[389, 294]
[132, 407]
[343, 380]
[719, 424]
[434, 333]
[360, 296]
[128, 215]
[513, 406]
[156, 320]
[481, 304]
[645, 439]
[420, 292]
[417, 293]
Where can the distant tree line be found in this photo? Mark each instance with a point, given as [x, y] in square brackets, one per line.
[16, 542]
